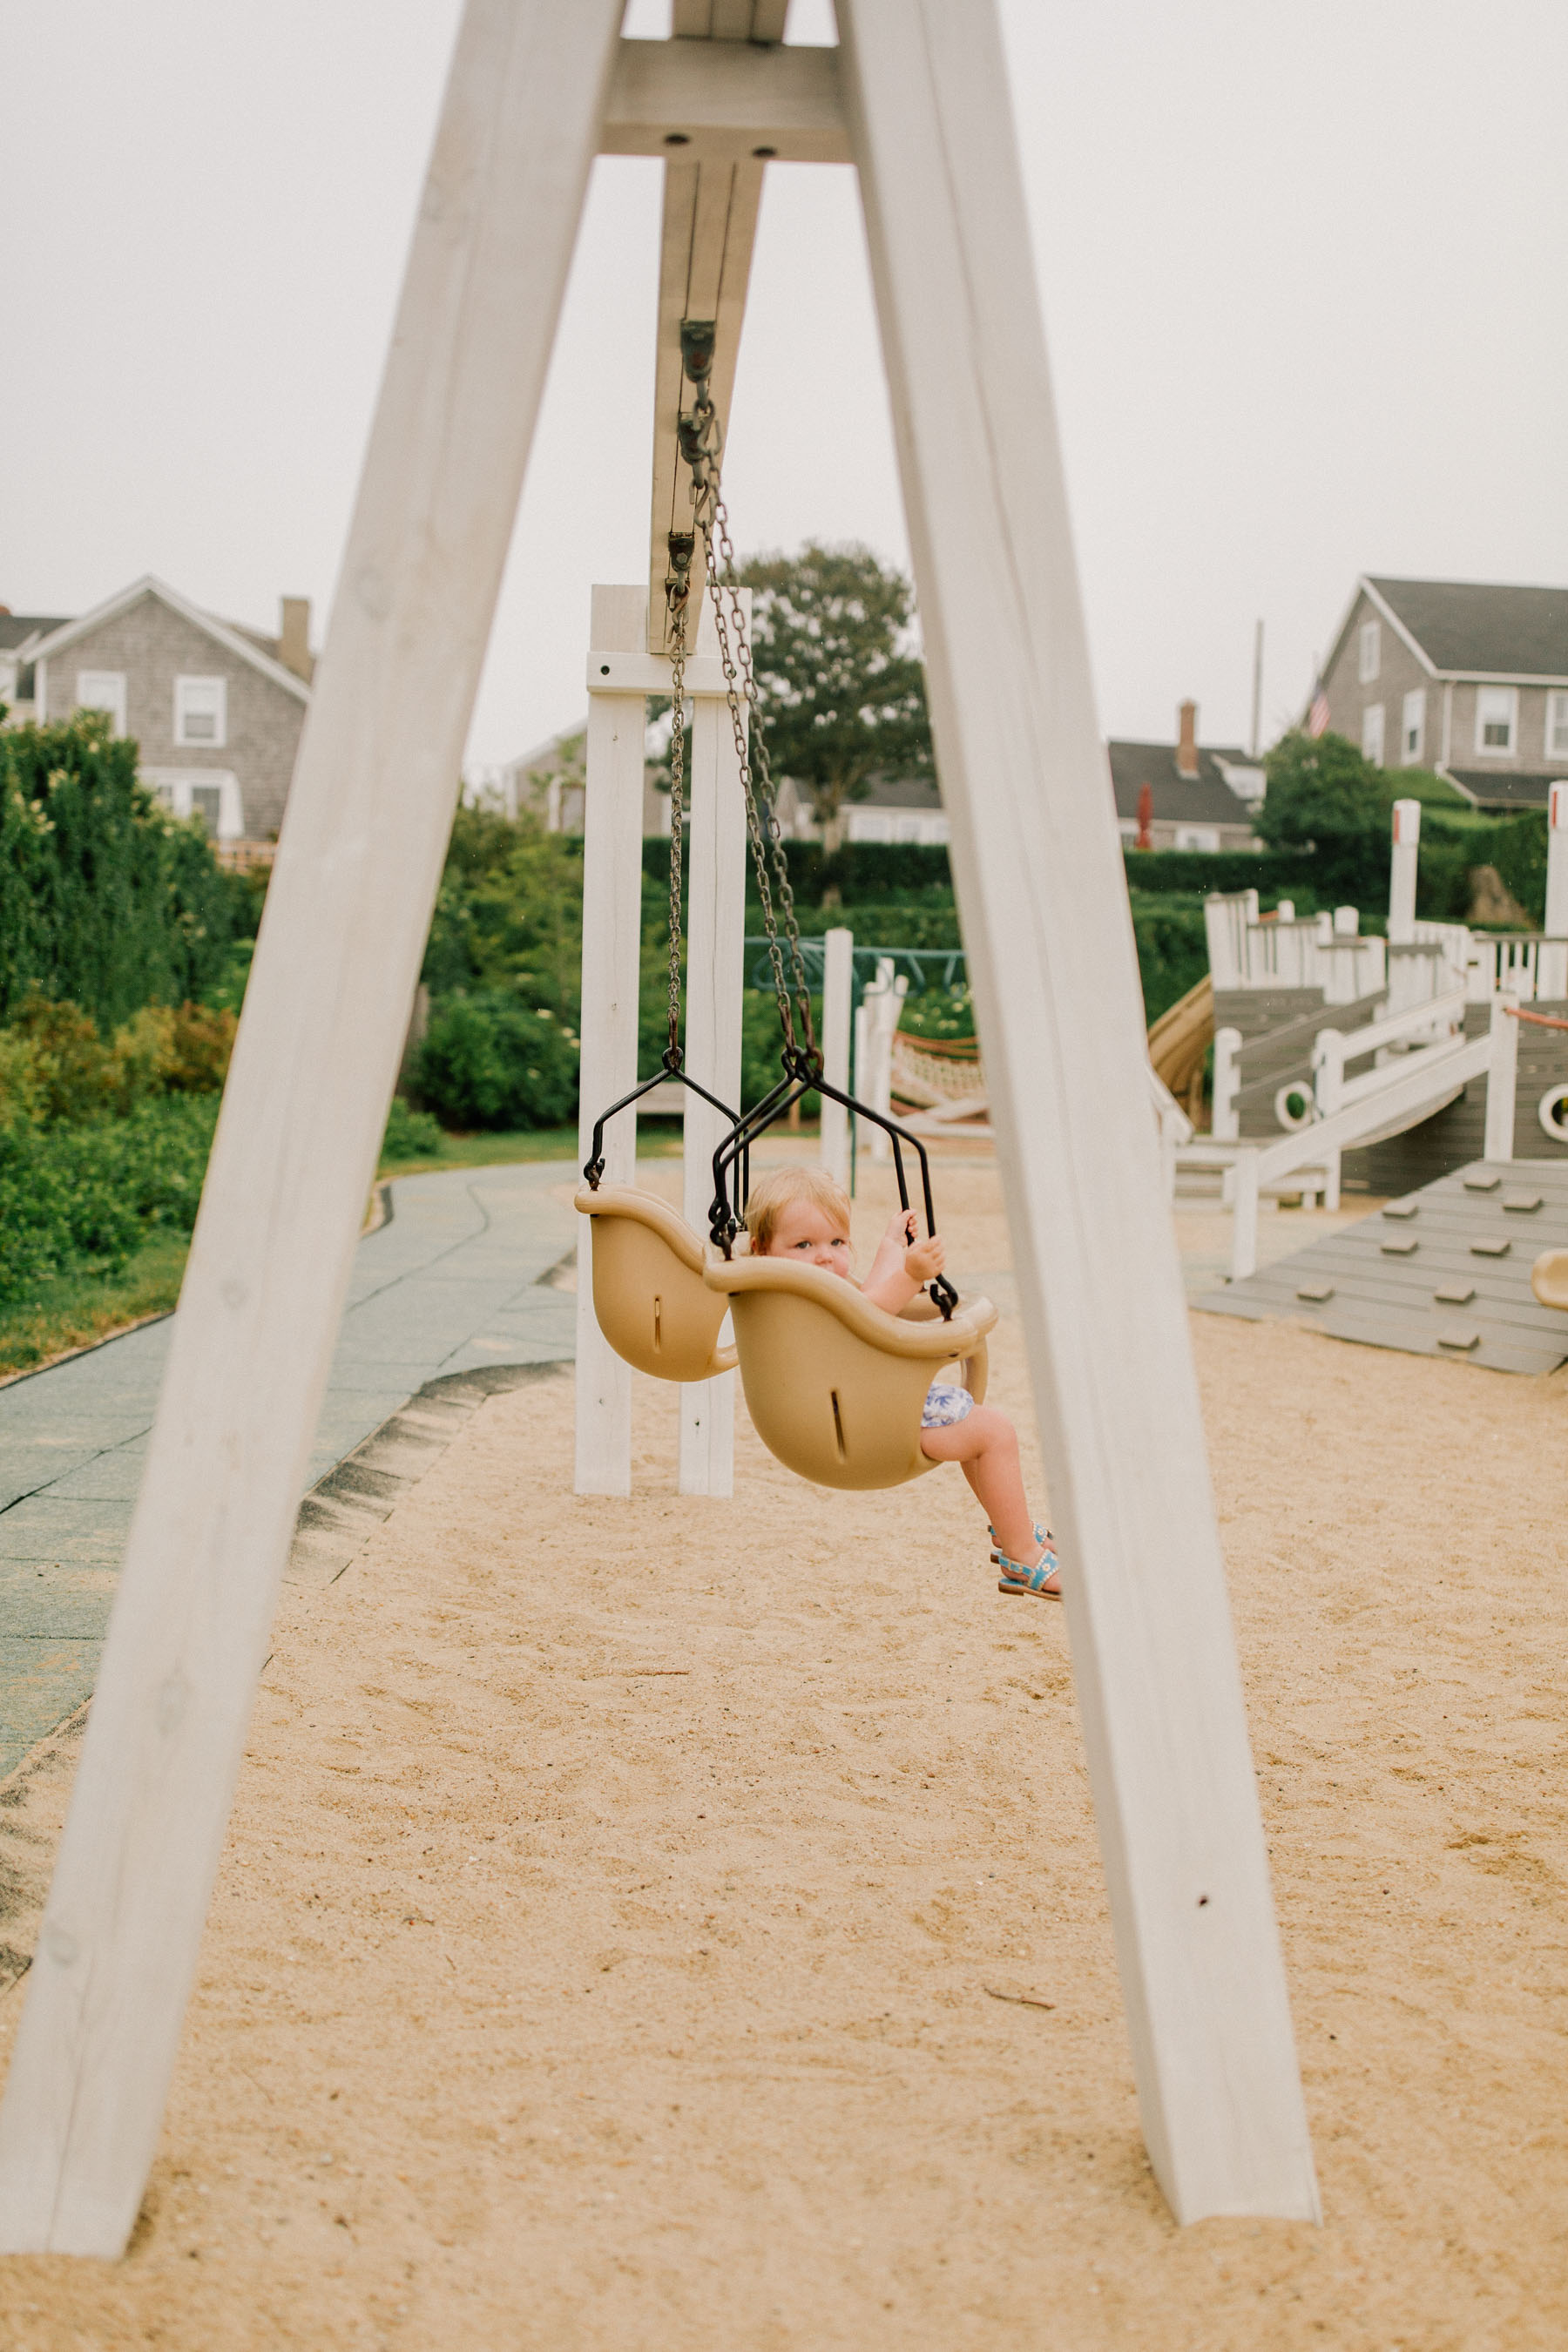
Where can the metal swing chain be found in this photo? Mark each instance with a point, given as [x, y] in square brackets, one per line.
[677, 590]
[700, 444]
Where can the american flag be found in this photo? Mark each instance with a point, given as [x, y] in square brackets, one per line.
[1318, 711]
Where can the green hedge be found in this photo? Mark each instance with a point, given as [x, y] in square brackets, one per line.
[104, 900]
[859, 872]
[88, 1194]
[1514, 845]
[1274, 874]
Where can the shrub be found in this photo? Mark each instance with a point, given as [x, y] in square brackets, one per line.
[939, 1013]
[74, 1073]
[410, 1134]
[87, 1195]
[489, 1060]
[57, 1064]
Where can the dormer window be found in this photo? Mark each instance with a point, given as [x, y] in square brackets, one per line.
[201, 712]
[1370, 651]
[1496, 721]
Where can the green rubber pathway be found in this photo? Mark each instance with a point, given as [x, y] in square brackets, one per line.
[452, 1283]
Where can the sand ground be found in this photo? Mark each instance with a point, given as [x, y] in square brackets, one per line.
[606, 1948]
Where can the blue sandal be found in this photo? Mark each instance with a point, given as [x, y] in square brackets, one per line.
[1017, 1578]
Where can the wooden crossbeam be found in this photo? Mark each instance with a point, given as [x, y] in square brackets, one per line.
[705, 261]
[725, 102]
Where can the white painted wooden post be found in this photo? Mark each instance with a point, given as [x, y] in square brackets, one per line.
[325, 1014]
[1038, 870]
[878, 1019]
[612, 945]
[1224, 1123]
[1553, 962]
[838, 993]
[715, 957]
[1332, 1161]
[1244, 1217]
[1502, 1069]
[1328, 1071]
[1401, 864]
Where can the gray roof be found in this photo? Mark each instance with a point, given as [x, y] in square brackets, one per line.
[899, 793]
[16, 628]
[1203, 798]
[1471, 628]
[1487, 789]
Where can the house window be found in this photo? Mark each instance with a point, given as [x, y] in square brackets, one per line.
[1496, 721]
[1370, 651]
[1557, 726]
[1413, 728]
[1197, 836]
[201, 711]
[1372, 733]
[102, 690]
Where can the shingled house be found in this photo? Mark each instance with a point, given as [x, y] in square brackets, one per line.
[1469, 679]
[1199, 797]
[215, 707]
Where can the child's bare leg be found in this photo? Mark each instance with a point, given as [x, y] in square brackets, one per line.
[986, 1445]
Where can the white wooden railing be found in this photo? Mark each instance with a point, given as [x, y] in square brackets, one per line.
[1521, 964]
[1432, 1022]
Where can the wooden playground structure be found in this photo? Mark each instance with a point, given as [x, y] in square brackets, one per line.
[915, 96]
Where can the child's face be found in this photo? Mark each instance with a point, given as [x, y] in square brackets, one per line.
[807, 1233]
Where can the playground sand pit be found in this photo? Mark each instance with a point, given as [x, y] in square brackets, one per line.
[680, 1924]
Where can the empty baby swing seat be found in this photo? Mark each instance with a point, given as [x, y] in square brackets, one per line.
[650, 1297]
[834, 1385]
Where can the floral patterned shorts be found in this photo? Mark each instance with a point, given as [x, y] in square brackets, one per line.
[945, 1404]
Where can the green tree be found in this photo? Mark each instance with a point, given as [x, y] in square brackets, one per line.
[104, 900]
[1324, 799]
[843, 693]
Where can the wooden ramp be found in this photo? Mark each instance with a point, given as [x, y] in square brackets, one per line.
[1444, 1271]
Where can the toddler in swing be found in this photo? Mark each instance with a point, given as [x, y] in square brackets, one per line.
[802, 1213]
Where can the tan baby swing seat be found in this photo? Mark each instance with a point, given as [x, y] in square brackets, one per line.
[836, 1386]
[650, 1297]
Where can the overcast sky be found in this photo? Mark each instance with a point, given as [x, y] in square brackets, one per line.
[1302, 270]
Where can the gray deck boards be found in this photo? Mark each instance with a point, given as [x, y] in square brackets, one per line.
[1387, 1301]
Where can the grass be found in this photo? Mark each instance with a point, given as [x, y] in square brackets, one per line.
[75, 1310]
[656, 1139]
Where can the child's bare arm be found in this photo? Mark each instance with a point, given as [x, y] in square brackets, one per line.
[902, 1263]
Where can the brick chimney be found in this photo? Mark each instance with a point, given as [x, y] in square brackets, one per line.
[1188, 740]
[294, 637]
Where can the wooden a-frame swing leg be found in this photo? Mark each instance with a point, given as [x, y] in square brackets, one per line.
[1040, 888]
[325, 1015]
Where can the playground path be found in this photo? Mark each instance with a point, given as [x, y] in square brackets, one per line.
[450, 1283]
[678, 1923]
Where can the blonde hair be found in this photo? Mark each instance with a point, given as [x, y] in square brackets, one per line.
[771, 1194]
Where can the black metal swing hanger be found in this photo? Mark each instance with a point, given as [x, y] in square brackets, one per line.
[669, 1068]
[803, 1076]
